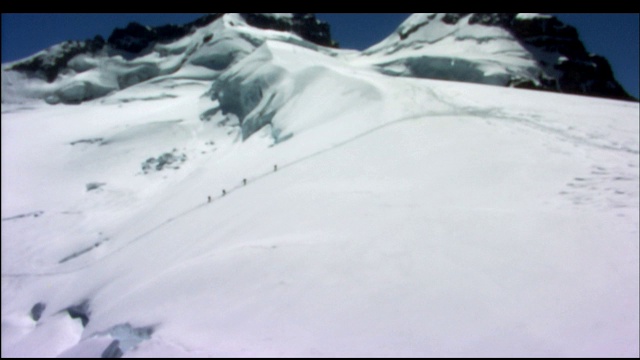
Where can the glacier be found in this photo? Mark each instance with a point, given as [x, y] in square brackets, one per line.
[407, 216]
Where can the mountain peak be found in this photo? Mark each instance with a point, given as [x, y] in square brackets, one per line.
[511, 49]
[77, 71]
[135, 38]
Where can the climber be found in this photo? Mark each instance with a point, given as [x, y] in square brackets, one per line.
[209, 198]
[224, 192]
[244, 181]
[275, 167]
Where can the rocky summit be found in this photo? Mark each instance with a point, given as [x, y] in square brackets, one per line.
[577, 71]
[534, 51]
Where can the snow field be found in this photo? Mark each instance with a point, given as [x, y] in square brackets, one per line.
[407, 217]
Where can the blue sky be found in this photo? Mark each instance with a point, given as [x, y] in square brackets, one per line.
[615, 36]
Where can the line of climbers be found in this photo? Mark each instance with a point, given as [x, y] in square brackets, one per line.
[244, 183]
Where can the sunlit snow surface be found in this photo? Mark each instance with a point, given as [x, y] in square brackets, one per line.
[406, 217]
[426, 46]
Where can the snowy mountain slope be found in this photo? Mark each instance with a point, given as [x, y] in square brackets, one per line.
[77, 71]
[407, 217]
[534, 51]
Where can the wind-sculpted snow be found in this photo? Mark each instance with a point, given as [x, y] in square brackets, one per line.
[259, 86]
[248, 89]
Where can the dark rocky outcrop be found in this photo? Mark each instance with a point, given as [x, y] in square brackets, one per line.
[133, 38]
[169, 160]
[303, 24]
[80, 311]
[404, 33]
[136, 37]
[126, 337]
[452, 18]
[591, 76]
[37, 310]
[49, 65]
[112, 351]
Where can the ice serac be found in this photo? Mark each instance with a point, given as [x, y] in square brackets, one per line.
[523, 50]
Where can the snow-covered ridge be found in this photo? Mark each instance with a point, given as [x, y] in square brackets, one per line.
[520, 50]
[77, 71]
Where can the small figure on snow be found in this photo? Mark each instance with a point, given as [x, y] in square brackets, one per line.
[209, 198]
[275, 168]
[224, 192]
[244, 181]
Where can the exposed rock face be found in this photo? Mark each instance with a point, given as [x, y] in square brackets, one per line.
[135, 37]
[48, 65]
[164, 161]
[304, 25]
[37, 310]
[112, 351]
[80, 311]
